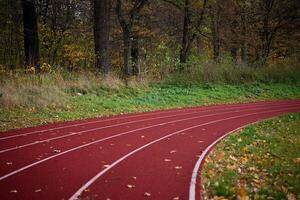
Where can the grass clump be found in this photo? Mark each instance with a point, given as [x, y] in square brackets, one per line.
[259, 162]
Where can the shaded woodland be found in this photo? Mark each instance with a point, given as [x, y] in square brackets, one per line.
[147, 37]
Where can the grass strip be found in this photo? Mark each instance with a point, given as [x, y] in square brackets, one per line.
[261, 161]
[96, 101]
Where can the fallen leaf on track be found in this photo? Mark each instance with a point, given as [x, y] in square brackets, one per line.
[167, 160]
[178, 167]
[147, 194]
[38, 190]
[13, 191]
[131, 186]
[173, 151]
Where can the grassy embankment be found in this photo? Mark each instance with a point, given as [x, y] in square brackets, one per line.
[31, 100]
[261, 161]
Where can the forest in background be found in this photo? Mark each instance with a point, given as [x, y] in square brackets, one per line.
[151, 38]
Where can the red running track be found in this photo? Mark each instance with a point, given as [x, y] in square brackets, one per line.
[152, 155]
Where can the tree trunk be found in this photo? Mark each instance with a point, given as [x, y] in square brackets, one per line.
[185, 34]
[101, 35]
[244, 48]
[136, 68]
[127, 52]
[31, 41]
[233, 52]
[215, 39]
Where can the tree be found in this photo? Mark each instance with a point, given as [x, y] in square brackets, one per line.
[127, 21]
[192, 21]
[31, 40]
[101, 35]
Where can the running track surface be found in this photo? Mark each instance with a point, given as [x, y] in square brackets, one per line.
[137, 156]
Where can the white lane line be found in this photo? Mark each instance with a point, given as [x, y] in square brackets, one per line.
[88, 123]
[74, 149]
[89, 130]
[192, 191]
[105, 120]
[100, 121]
[127, 117]
[105, 127]
[92, 180]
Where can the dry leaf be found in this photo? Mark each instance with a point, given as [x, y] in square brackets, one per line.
[147, 194]
[297, 160]
[291, 197]
[130, 186]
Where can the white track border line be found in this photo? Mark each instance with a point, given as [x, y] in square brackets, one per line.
[105, 120]
[76, 148]
[110, 126]
[92, 180]
[128, 117]
[193, 182]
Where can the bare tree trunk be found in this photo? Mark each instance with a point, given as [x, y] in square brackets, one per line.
[233, 52]
[101, 35]
[127, 52]
[185, 34]
[136, 68]
[215, 39]
[31, 40]
[127, 25]
[244, 48]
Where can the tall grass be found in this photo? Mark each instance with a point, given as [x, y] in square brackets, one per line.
[44, 90]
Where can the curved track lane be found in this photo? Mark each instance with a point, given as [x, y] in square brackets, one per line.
[146, 155]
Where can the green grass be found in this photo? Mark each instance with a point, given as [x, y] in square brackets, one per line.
[96, 99]
[260, 162]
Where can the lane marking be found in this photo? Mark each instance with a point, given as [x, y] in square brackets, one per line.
[67, 151]
[124, 123]
[105, 127]
[97, 121]
[193, 182]
[92, 180]
[128, 117]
